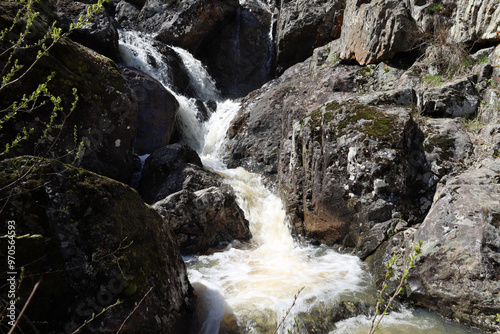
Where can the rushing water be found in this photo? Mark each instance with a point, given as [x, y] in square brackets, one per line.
[252, 285]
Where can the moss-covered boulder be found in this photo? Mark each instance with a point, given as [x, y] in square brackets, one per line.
[105, 114]
[349, 174]
[99, 243]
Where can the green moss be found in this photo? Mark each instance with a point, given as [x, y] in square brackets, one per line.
[433, 80]
[366, 71]
[380, 125]
[434, 9]
[337, 119]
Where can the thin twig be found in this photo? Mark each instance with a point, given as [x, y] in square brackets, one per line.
[135, 308]
[94, 317]
[288, 311]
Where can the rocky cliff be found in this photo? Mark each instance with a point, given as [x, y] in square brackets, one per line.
[376, 121]
[365, 156]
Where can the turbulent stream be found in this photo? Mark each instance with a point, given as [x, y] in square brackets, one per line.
[254, 284]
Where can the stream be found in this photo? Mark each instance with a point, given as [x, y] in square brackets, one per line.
[249, 287]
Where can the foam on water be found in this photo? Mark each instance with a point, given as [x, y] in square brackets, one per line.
[257, 281]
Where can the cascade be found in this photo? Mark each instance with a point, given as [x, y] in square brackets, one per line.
[255, 282]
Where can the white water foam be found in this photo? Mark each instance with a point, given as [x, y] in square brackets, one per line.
[258, 280]
[137, 50]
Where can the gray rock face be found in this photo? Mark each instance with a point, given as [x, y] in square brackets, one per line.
[99, 34]
[268, 114]
[348, 172]
[376, 30]
[204, 219]
[157, 109]
[475, 21]
[457, 273]
[448, 148]
[304, 25]
[187, 24]
[99, 243]
[126, 14]
[457, 98]
[240, 58]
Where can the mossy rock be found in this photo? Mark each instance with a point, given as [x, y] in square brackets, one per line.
[105, 115]
[343, 118]
[99, 243]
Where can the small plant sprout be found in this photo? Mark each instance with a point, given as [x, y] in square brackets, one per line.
[288, 312]
[390, 268]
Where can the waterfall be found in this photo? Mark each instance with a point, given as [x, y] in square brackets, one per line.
[253, 284]
[137, 50]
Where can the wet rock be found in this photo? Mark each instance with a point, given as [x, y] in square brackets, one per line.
[156, 115]
[377, 30]
[99, 243]
[165, 162]
[99, 34]
[177, 73]
[319, 320]
[187, 24]
[204, 219]
[204, 309]
[240, 57]
[457, 273]
[201, 209]
[457, 98]
[303, 26]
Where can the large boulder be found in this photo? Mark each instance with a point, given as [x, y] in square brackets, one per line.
[377, 30]
[195, 202]
[176, 159]
[103, 121]
[458, 270]
[156, 114]
[345, 169]
[102, 124]
[267, 114]
[204, 219]
[98, 243]
[349, 174]
[187, 24]
[99, 33]
[304, 25]
[126, 14]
